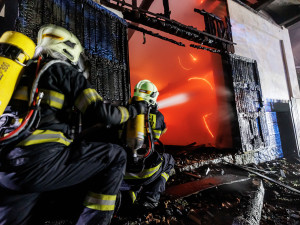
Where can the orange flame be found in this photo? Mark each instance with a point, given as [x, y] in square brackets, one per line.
[204, 119]
[193, 58]
[182, 65]
[199, 78]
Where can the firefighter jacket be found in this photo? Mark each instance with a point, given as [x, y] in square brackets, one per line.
[48, 159]
[157, 122]
[63, 87]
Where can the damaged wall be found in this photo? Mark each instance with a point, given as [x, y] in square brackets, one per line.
[259, 39]
[269, 45]
[101, 33]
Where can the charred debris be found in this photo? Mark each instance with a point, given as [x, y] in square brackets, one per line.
[205, 189]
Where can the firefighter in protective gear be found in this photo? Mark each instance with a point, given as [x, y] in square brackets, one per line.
[46, 158]
[145, 178]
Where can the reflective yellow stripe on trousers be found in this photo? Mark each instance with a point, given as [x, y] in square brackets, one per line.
[142, 175]
[132, 195]
[45, 136]
[100, 201]
[165, 175]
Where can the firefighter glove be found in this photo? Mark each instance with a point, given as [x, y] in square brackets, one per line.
[138, 107]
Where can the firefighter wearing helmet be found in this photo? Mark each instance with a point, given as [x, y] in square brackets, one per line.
[40, 155]
[147, 170]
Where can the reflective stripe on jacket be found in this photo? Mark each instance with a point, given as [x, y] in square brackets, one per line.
[158, 126]
[52, 98]
[45, 136]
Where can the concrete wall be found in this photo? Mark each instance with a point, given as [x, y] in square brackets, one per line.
[260, 39]
[269, 44]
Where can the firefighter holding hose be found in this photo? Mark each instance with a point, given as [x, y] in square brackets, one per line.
[147, 170]
[37, 151]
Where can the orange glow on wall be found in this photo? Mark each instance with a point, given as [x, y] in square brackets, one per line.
[192, 95]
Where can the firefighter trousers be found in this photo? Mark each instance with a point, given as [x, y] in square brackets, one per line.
[34, 169]
[148, 189]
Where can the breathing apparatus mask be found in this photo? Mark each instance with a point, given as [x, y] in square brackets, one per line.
[139, 128]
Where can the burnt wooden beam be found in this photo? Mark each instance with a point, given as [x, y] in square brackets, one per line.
[159, 22]
[144, 31]
[167, 11]
[145, 5]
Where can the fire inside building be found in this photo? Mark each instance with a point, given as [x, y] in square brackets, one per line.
[223, 73]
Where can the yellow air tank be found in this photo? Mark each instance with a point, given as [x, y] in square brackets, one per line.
[15, 50]
[136, 130]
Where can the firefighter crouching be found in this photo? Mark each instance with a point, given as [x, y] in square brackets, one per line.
[147, 170]
[37, 153]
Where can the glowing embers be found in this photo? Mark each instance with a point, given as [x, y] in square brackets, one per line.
[207, 127]
[179, 61]
[205, 116]
[200, 78]
[174, 100]
[193, 58]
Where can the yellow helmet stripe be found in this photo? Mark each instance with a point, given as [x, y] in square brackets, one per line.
[52, 36]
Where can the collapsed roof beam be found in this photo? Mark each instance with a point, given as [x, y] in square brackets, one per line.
[145, 5]
[144, 31]
[162, 23]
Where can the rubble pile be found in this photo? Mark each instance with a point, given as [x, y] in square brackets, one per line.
[252, 201]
